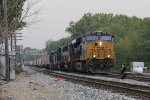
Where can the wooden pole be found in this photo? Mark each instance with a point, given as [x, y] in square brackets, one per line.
[6, 41]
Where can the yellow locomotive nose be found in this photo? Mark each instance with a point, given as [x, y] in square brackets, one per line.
[108, 56]
[100, 50]
[100, 55]
[100, 43]
[94, 56]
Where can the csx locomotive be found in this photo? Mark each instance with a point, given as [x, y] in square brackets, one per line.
[93, 52]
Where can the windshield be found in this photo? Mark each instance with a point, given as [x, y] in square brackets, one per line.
[106, 37]
[91, 37]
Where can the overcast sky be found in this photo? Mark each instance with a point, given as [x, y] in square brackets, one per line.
[55, 16]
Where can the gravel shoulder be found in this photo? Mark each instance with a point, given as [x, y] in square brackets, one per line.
[27, 87]
[32, 85]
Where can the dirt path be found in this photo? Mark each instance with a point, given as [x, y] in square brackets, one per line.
[27, 87]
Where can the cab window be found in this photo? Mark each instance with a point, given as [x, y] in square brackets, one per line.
[91, 38]
[106, 37]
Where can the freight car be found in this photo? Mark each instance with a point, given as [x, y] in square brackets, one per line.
[94, 52]
[42, 62]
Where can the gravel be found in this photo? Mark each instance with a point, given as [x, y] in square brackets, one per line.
[79, 92]
[2, 82]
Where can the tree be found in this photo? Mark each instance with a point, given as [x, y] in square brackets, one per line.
[15, 8]
[17, 12]
[27, 56]
[53, 45]
[132, 34]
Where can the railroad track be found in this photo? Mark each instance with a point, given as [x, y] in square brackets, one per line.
[137, 91]
[139, 77]
[130, 76]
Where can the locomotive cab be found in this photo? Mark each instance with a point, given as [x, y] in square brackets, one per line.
[99, 52]
[93, 52]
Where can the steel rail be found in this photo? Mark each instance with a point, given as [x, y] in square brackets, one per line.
[131, 89]
[130, 76]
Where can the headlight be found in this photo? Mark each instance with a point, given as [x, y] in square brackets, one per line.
[100, 43]
[94, 56]
[108, 56]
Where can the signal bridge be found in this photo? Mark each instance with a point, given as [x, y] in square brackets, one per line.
[35, 52]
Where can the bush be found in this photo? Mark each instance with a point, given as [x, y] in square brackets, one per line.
[147, 64]
[18, 69]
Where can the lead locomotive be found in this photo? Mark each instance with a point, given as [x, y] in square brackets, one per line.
[94, 52]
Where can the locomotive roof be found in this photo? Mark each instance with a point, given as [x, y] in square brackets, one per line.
[78, 40]
[98, 33]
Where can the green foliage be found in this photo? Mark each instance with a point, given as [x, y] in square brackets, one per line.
[53, 45]
[28, 56]
[14, 9]
[132, 34]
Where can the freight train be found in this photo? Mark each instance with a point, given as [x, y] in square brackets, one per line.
[93, 52]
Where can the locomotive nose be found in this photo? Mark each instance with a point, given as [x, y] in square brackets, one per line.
[101, 50]
[100, 43]
[96, 44]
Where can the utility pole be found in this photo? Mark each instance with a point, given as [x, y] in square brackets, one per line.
[6, 40]
[17, 48]
[11, 39]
